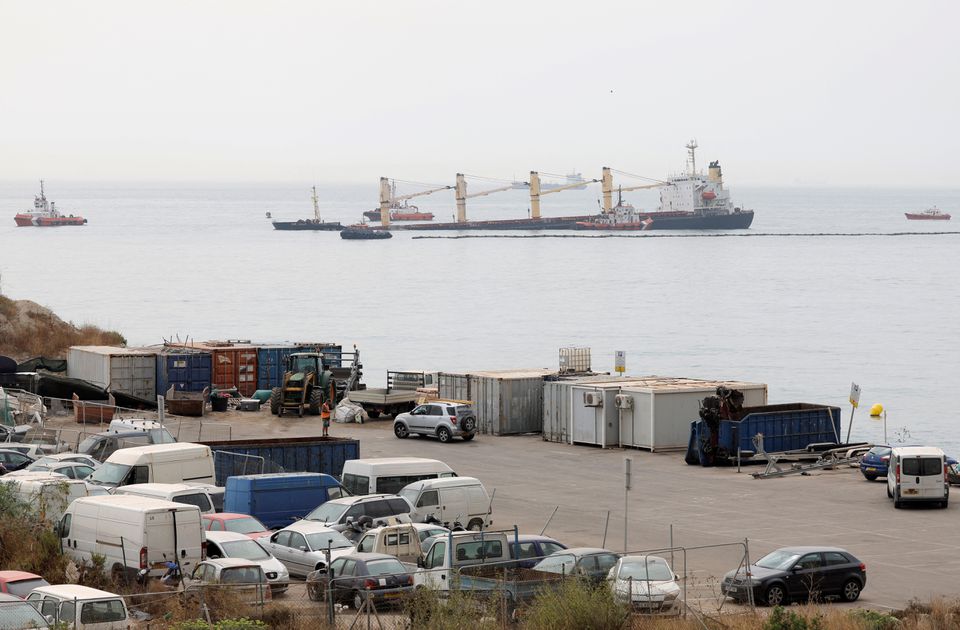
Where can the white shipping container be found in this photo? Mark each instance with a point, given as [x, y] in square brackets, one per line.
[129, 370]
[558, 405]
[507, 402]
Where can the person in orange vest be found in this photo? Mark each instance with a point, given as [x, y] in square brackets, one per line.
[325, 417]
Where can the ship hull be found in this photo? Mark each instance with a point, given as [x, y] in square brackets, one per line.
[673, 221]
[325, 226]
[543, 223]
[927, 217]
[374, 215]
[26, 220]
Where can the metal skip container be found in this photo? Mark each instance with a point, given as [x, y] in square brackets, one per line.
[507, 402]
[129, 370]
[656, 414]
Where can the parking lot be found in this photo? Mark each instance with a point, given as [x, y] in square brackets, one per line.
[909, 553]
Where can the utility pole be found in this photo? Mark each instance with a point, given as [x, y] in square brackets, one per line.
[626, 494]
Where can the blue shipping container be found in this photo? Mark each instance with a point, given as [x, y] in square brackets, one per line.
[280, 498]
[309, 454]
[271, 362]
[188, 371]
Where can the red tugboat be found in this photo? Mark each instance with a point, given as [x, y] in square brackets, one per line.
[933, 214]
[45, 214]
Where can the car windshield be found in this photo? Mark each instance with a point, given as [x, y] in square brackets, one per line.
[246, 549]
[779, 559]
[103, 611]
[87, 445]
[22, 588]
[649, 569]
[247, 525]
[44, 461]
[387, 566]
[880, 451]
[16, 615]
[410, 494]
[161, 436]
[38, 468]
[242, 575]
[563, 563]
[320, 540]
[109, 474]
[329, 512]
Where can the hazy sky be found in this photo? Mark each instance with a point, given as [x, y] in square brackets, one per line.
[809, 93]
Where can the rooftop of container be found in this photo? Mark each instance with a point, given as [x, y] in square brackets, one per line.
[508, 374]
[112, 350]
[660, 383]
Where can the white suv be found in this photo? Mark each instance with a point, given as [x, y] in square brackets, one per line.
[444, 419]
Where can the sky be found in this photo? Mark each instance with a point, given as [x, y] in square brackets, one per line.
[801, 94]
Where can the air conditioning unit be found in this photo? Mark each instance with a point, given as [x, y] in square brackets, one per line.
[624, 401]
[593, 399]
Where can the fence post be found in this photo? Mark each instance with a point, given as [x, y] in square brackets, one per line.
[746, 560]
[330, 609]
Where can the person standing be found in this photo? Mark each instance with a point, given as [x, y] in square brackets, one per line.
[325, 417]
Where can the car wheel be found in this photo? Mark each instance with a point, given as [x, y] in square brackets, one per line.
[401, 431]
[275, 396]
[851, 590]
[468, 437]
[943, 504]
[357, 600]
[469, 424]
[776, 595]
[443, 434]
[870, 477]
[373, 413]
[896, 500]
[889, 494]
[315, 591]
[475, 525]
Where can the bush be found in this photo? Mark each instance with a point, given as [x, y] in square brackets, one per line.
[575, 605]
[227, 624]
[782, 619]
[455, 610]
[874, 620]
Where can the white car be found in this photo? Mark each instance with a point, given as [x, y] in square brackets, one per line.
[233, 545]
[302, 547]
[73, 470]
[646, 583]
[58, 458]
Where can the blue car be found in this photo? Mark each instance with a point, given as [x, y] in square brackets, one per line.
[530, 549]
[874, 462]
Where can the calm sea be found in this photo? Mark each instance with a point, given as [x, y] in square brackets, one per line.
[806, 314]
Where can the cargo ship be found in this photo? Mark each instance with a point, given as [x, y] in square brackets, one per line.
[933, 214]
[401, 212]
[689, 201]
[314, 224]
[45, 214]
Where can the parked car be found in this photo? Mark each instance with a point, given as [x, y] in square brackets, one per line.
[357, 576]
[20, 583]
[33, 451]
[451, 500]
[919, 475]
[588, 562]
[874, 462]
[75, 606]
[101, 446]
[71, 470]
[237, 523]
[442, 419]
[242, 576]
[341, 513]
[646, 584]
[16, 614]
[389, 475]
[302, 547]
[231, 545]
[426, 530]
[797, 573]
[529, 549]
[11, 460]
[69, 457]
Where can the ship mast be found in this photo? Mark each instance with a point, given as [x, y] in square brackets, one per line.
[316, 205]
[691, 157]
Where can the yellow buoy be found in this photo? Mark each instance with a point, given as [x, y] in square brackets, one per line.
[876, 410]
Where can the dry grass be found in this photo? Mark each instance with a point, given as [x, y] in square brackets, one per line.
[29, 330]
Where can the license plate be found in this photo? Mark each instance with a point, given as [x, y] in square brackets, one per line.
[871, 469]
[911, 491]
[391, 595]
[732, 589]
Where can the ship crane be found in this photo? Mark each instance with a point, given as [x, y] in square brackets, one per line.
[607, 187]
[536, 192]
[462, 196]
[388, 198]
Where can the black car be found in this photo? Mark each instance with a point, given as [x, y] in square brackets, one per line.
[798, 573]
[356, 576]
[11, 460]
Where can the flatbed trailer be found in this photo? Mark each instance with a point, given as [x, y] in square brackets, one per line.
[399, 396]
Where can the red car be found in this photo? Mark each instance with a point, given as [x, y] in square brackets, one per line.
[237, 523]
[20, 583]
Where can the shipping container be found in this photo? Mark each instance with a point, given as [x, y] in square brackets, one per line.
[129, 370]
[558, 404]
[657, 415]
[309, 454]
[234, 364]
[278, 499]
[271, 364]
[184, 370]
[506, 402]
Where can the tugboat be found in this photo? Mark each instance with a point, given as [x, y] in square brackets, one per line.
[933, 214]
[316, 223]
[363, 232]
[690, 201]
[45, 214]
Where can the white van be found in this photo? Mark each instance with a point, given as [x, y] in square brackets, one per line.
[460, 499]
[387, 475]
[180, 462]
[81, 607]
[50, 495]
[176, 492]
[134, 534]
[917, 473]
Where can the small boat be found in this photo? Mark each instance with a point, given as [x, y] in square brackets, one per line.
[45, 214]
[401, 212]
[314, 224]
[933, 214]
[362, 231]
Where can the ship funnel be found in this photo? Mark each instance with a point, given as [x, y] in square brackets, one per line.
[714, 174]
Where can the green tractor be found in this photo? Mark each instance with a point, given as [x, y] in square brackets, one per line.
[306, 385]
